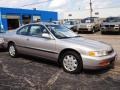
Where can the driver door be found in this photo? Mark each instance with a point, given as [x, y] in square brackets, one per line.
[40, 46]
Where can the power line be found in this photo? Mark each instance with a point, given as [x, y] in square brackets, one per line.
[31, 4]
[101, 8]
[108, 7]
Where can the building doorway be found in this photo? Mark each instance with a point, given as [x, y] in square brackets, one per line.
[13, 22]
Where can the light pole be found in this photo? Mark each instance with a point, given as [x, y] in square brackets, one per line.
[91, 10]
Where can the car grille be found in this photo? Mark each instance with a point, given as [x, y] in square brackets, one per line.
[83, 29]
[110, 26]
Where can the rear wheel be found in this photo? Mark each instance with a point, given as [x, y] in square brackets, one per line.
[12, 50]
[72, 62]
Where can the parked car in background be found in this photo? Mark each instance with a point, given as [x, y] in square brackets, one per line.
[90, 24]
[110, 24]
[2, 32]
[60, 44]
[56, 22]
[72, 25]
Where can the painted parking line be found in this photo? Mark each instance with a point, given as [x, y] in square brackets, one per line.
[53, 79]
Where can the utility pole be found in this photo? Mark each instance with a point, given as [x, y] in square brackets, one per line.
[91, 10]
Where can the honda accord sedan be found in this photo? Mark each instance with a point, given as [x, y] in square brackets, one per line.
[58, 43]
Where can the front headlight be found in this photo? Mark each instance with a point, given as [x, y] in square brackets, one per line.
[97, 53]
[1, 40]
[116, 25]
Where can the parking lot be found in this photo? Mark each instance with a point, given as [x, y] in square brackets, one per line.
[30, 73]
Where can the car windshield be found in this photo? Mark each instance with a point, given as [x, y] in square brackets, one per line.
[87, 20]
[61, 32]
[69, 23]
[112, 19]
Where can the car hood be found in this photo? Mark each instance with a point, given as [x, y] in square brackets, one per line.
[87, 23]
[111, 23]
[69, 26]
[84, 25]
[92, 44]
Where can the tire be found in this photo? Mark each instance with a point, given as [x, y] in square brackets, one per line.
[102, 32]
[119, 32]
[12, 50]
[72, 62]
[93, 31]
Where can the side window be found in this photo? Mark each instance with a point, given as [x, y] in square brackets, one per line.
[23, 31]
[37, 30]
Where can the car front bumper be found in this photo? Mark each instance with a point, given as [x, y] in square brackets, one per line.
[98, 62]
[85, 29]
[110, 29]
[1, 45]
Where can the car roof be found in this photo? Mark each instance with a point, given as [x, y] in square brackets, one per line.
[43, 23]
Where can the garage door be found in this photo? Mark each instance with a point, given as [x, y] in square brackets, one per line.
[13, 21]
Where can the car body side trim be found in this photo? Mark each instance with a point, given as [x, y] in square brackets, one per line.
[37, 49]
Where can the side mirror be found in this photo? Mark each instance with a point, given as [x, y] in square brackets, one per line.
[47, 36]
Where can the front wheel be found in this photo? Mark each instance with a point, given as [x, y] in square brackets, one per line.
[12, 50]
[72, 62]
[93, 31]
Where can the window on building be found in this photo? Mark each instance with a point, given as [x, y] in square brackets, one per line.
[36, 18]
[26, 19]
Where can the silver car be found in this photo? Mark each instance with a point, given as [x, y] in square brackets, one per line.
[90, 24]
[110, 24]
[58, 43]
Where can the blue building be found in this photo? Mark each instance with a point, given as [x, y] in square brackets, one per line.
[12, 18]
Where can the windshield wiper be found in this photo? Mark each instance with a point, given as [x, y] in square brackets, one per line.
[77, 36]
[68, 37]
[64, 37]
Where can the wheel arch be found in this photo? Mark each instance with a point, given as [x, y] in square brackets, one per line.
[66, 50]
[10, 42]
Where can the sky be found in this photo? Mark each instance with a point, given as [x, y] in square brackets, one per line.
[78, 8]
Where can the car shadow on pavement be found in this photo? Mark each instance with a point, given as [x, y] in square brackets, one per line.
[99, 71]
[40, 60]
[84, 33]
[111, 33]
[3, 50]
[55, 64]
[33, 59]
